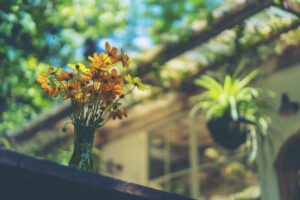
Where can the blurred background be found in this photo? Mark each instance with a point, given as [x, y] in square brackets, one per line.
[170, 44]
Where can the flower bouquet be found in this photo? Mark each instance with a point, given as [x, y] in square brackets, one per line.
[95, 92]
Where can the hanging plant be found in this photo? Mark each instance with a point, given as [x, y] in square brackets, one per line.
[233, 109]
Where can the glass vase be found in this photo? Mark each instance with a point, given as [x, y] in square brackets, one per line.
[82, 157]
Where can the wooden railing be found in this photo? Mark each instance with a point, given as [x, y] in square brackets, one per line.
[24, 177]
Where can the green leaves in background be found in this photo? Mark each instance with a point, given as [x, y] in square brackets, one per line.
[172, 19]
[36, 33]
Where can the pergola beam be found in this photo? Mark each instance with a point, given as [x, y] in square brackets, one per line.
[229, 20]
[45, 120]
[188, 85]
[291, 6]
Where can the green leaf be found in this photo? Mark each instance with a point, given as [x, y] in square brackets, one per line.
[247, 79]
[5, 142]
[209, 83]
[227, 85]
[234, 112]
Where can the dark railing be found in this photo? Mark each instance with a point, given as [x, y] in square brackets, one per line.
[27, 178]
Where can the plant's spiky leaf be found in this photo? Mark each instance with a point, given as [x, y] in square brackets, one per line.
[234, 112]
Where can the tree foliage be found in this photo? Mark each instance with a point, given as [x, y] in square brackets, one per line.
[174, 18]
[34, 34]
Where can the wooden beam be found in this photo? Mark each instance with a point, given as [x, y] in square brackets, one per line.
[188, 85]
[45, 120]
[45, 142]
[165, 53]
[291, 6]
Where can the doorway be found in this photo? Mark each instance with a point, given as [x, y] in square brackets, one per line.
[287, 166]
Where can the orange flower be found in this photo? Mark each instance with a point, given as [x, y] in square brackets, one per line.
[89, 88]
[49, 90]
[96, 74]
[111, 90]
[63, 76]
[70, 86]
[112, 53]
[118, 113]
[72, 90]
[85, 78]
[74, 96]
[42, 78]
[124, 59]
[114, 77]
[124, 112]
[66, 76]
[66, 95]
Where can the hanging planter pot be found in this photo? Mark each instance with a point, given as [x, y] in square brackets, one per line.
[226, 104]
[228, 133]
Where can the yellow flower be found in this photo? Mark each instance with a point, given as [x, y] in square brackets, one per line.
[101, 62]
[53, 70]
[129, 79]
[136, 81]
[80, 67]
[97, 58]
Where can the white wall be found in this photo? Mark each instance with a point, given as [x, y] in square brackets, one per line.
[131, 152]
[282, 127]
